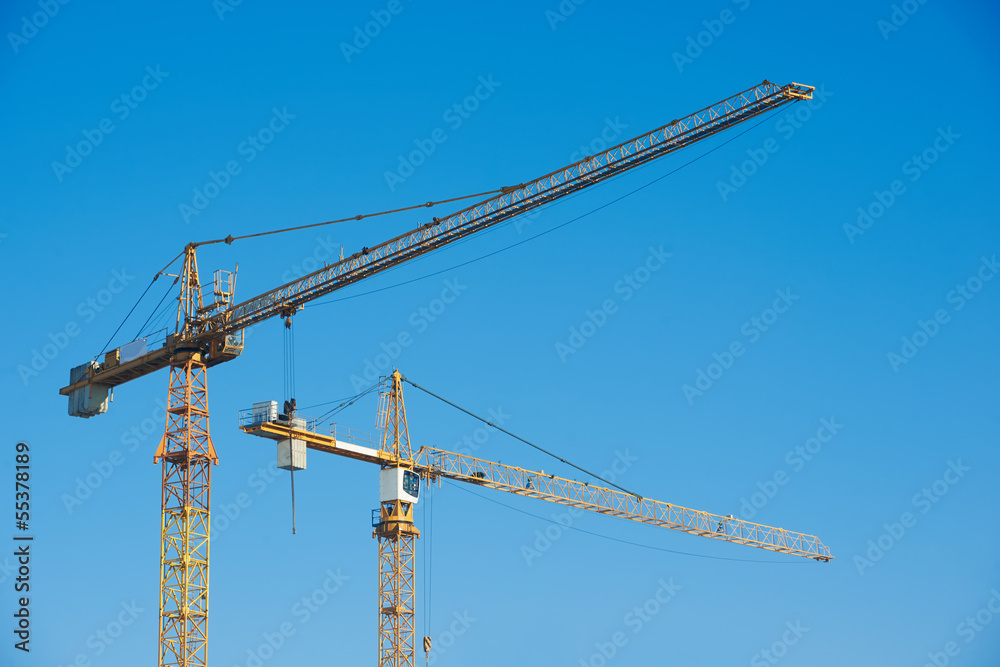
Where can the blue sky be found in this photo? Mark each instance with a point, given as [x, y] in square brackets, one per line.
[871, 222]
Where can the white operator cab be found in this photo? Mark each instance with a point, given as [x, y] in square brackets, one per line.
[398, 484]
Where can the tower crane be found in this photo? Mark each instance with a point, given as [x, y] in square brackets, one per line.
[403, 468]
[208, 333]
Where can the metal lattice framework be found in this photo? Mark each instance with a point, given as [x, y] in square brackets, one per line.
[188, 456]
[432, 463]
[396, 532]
[202, 329]
[392, 417]
[436, 462]
[396, 536]
[514, 201]
[397, 589]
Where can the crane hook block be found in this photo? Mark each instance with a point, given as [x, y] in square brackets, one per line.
[427, 644]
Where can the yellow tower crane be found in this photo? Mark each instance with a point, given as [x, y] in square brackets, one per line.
[402, 469]
[208, 333]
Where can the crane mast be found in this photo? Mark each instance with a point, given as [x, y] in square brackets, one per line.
[207, 334]
[396, 532]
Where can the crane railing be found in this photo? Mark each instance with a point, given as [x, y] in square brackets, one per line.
[440, 463]
[513, 201]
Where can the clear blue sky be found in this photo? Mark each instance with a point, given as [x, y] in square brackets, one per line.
[117, 116]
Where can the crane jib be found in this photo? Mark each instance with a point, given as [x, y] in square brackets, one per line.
[204, 331]
[512, 202]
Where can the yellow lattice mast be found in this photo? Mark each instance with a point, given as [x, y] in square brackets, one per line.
[187, 455]
[399, 489]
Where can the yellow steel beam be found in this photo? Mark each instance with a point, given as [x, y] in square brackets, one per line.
[397, 587]
[433, 463]
[188, 456]
[342, 443]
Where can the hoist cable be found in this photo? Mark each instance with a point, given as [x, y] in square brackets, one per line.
[134, 306]
[229, 239]
[157, 307]
[517, 437]
[347, 403]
